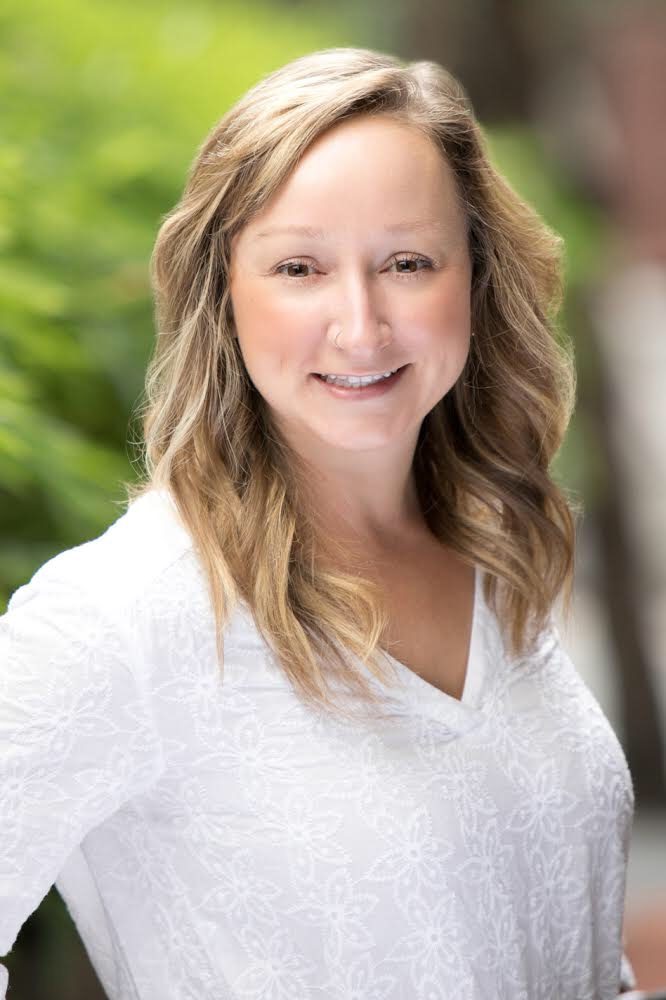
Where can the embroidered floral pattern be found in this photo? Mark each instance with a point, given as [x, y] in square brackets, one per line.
[214, 838]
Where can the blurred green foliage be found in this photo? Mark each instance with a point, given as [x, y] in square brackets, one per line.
[105, 107]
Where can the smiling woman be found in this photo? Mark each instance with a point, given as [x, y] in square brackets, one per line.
[350, 415]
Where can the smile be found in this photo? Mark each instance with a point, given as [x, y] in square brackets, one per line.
[357, 379]
[360, 387]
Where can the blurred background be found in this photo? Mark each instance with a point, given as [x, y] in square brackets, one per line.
[104, 108]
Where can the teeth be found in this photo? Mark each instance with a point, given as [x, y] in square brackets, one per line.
[356, 380]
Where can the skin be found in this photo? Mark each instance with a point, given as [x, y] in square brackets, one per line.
[359, 178]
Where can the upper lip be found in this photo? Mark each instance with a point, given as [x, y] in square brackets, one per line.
[359, 374]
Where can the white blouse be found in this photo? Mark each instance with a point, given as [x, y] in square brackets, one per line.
[215, 839]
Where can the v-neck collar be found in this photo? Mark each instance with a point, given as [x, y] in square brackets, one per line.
[424, 698]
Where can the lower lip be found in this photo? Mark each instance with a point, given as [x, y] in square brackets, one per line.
[363, 392]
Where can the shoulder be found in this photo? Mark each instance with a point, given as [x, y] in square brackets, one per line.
[120, 566]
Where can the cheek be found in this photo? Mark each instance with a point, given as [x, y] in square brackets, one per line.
[443, 317]
[260, 321]
[251, 314]
[454, 300]
[272, 330]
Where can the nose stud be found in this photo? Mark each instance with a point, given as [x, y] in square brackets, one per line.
[335, 339]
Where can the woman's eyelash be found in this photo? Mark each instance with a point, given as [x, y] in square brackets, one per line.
[417, 258]
[296, 262]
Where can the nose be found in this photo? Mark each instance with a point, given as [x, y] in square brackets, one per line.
[362, 326]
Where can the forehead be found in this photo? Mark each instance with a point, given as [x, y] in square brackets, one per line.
[361, 172]
[370, 135]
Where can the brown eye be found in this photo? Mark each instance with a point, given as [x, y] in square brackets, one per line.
[293, 264]
[412, 260]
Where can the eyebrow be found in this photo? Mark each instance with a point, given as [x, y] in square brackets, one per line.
[416, 225]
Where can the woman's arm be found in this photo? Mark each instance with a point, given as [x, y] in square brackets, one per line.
[77, 737]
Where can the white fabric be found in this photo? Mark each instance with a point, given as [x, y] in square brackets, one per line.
[214, 839]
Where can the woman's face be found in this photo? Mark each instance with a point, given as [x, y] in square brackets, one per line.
[366, 239]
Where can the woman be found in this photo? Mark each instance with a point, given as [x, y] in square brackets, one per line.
[356, 393]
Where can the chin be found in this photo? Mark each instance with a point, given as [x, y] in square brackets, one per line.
[359, 441]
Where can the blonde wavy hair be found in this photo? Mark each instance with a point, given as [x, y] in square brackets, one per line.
[483, 454]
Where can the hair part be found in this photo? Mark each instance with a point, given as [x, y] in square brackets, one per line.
[483, 454]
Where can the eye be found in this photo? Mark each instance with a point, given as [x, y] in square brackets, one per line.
[295, 264]
[412, 259]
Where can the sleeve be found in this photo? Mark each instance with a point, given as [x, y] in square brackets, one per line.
[77, 735]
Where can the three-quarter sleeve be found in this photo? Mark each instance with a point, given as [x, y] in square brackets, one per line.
[77, 734]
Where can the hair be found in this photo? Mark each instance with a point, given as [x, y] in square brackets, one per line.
[483, 454]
